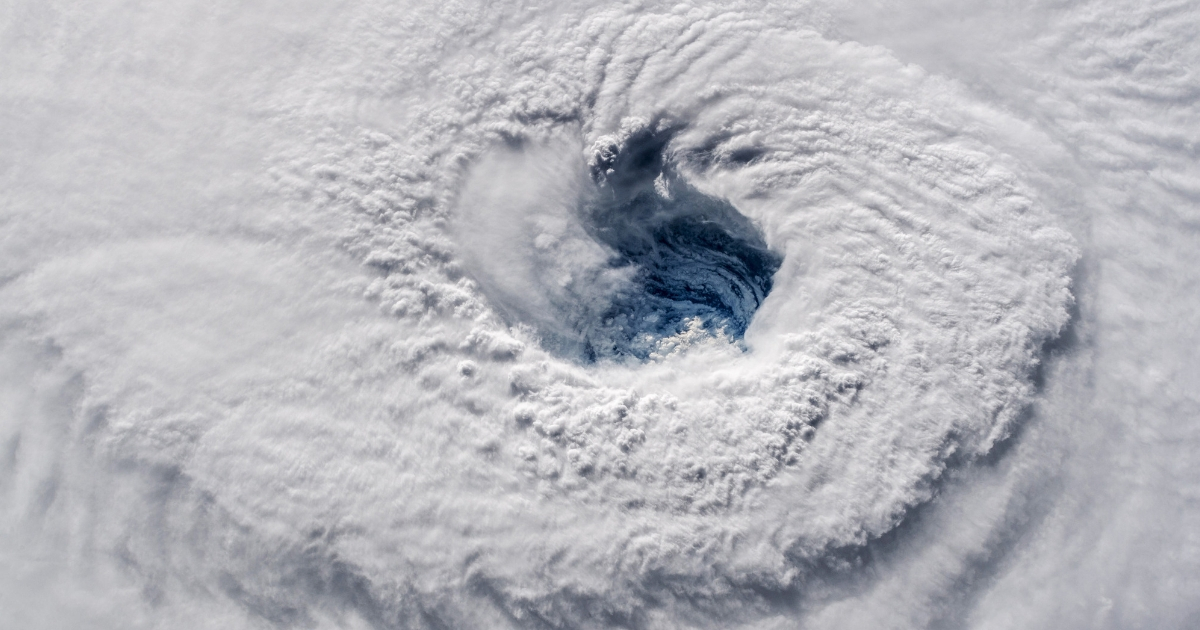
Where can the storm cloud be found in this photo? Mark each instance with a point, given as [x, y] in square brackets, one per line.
[505, 315]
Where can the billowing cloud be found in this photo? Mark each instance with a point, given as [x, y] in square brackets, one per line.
[458, 315]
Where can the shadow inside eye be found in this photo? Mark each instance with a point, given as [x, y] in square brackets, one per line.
[694, 257]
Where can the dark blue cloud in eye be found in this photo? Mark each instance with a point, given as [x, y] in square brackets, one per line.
[693, 256]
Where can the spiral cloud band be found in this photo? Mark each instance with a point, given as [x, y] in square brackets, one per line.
[565, 315]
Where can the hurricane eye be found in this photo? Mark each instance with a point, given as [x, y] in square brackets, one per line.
[695, 260]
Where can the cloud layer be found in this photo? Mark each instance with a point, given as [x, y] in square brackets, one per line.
[300, 310]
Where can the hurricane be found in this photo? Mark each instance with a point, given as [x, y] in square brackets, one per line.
[637, 315]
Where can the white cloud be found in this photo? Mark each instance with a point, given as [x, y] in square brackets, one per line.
[283, 280]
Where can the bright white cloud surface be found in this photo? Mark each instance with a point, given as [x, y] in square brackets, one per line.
[307, 318]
